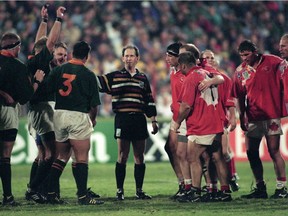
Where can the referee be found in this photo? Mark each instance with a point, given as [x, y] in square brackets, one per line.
[131, 100]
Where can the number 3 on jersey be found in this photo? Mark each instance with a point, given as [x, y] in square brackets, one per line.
[69, 78]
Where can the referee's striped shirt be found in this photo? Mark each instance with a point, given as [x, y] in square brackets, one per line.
[129, 93]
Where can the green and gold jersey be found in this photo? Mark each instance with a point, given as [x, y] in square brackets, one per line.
[75, 87]
[40, 61]
[14, 78]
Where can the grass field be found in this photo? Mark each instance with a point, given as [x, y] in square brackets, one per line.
[159, 182]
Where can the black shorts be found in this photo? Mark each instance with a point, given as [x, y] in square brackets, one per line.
[130, 126]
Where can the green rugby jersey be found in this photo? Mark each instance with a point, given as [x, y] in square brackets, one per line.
[14, 78]
[75, 86]
[40, 61]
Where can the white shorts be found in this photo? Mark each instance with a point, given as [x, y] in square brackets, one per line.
[9, 117]
[261, 128]
[182, 129]
[72, 125]
[40, 117]
[202, 139]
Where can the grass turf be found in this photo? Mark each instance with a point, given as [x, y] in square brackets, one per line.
[160, 182]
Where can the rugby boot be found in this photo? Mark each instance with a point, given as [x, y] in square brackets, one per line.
[9, 201]
[179, 193]
[223, 196]
[142, 195]
[257, 193]
[86, 200]
[120, 194]
[280, 193]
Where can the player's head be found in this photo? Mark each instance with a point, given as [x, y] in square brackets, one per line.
[248, 52]
[130, 57]
[81, 50]
[172, 54]
[283, 46]
[209, 57]
[186, 61]
[60, 53]
[190, 48]
[39, 45]
[12, 42]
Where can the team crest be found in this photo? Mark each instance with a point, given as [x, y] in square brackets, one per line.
[141, 84]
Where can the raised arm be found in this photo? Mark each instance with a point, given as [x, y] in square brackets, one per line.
[42, 30]
[56, 29]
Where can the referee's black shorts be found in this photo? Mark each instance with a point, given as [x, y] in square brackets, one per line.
[130, 126]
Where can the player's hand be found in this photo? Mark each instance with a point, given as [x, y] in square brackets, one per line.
[232, 124]
[94, 122]
[60, 12]
[8, 99]
[175, 127]
[204, 84]
[243, 123]
[44, 11]
[39, 75]
[155, 127]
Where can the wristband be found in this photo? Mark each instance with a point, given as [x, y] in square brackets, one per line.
[37, 81]
[44, 19]
[154, 121]
[59, 19]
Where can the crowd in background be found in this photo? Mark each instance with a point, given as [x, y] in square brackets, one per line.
[152, 25]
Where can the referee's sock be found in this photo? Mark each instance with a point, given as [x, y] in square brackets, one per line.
[42, 172]
[120, 173]
[139, 173]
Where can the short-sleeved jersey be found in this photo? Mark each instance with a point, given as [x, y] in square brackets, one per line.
[129, 93]
[205, 117]
[40, 61]
[14, 79]
[176, 82]
[75, 86]
[262, 88]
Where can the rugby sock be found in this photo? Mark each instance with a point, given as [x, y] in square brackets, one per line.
[81, 178]
[281, 182]
[5, 172]
[188, 184]
[120, 173]
[33, 171]
[225, 187]
[54, 176]
[42, 172]
[139, 173]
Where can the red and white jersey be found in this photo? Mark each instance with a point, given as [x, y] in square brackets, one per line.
[176, 82]
[204, 118]
[262, 88]
[224, 91]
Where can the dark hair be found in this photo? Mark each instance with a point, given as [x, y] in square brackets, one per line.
[137, 53]
[173, 49]
[187, 58]
[81, 50]
[191, 48]
[247, 45]
[10, 40]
